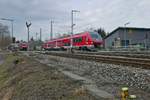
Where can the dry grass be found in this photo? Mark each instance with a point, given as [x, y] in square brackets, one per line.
[30, 80]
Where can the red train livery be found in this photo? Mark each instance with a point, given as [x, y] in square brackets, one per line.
[23, 46]
[85, 40]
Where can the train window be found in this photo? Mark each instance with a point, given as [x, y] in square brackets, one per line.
[66, 44]
[95, 35]
[113, 44]
[80, 39]
[49, 45]
[74, 40]
[77, 39]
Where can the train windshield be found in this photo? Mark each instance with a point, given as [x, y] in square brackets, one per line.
[95, 35]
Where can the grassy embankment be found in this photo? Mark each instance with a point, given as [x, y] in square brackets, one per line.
[30, 80]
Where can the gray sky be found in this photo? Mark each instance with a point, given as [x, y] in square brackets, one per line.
[108, 14]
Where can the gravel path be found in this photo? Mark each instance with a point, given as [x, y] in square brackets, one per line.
[108, 77]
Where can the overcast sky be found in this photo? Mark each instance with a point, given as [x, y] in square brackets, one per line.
[108, 14]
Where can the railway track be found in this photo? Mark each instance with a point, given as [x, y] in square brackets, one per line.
[135, 62]
[144, 55]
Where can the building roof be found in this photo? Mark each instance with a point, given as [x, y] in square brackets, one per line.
[128, 28]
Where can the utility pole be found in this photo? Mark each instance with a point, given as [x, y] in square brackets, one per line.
[2, 39]
[146, 37]
[36, 36]
[40, 34]
[125, 38]
[12, 30]
[51, 32]
[72, 25]
[28, 26]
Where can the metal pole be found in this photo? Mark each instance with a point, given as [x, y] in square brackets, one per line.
[2, 39]
[125, 37]
[36, 36]
[72, 25]
[71, 40]
[12, 30]
[146, 37]
[28, 34]
[145, 43]
[28, 25]
[51, 33]
[126, 33]
[40, 34]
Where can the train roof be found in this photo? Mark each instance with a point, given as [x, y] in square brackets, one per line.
[67, 37]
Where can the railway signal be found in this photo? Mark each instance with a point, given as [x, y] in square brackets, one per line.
[28, 25]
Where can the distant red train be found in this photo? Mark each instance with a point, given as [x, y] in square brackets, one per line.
[23, 46]
[81, 41]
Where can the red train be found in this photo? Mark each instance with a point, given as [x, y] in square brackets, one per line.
[85, 40]
[23, 46]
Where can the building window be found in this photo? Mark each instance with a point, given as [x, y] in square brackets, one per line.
[125, 42]
[112, 43]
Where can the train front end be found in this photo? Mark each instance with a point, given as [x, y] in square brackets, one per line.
[96, 39]
[23, 46]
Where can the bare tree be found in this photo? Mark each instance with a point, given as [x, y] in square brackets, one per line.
[5, 38]
[102, 32]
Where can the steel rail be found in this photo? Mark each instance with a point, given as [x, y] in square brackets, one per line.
[135, 62]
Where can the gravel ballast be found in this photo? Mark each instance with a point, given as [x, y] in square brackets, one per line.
[108, 77]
